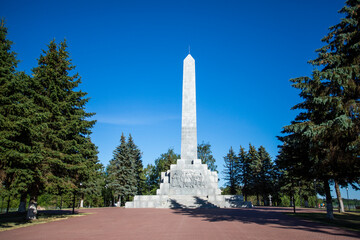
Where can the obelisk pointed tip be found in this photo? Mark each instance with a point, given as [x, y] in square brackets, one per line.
[189, 58]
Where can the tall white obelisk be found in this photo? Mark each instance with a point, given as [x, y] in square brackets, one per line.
[188, 124]
[188, 183]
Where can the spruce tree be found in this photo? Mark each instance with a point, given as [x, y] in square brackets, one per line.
[9, 95]
[92, 188]
[328, 126]
[230, 171]
[20, 124]
[245, 173]
[135, 154]
[121, 172]
[255, 166]
[66, 155]
[266, 174]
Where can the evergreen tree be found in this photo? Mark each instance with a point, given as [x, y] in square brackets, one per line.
[245, 173]
[20, 124]
[266, 174]
[92, 188]
[255, 178]
[329, 125]
[204, 153]
[44, 134]
[63, 155]
[135, 154]
[122, 172]
[9, 95]
[231, 175]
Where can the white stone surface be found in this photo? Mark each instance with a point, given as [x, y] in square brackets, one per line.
[188, 124]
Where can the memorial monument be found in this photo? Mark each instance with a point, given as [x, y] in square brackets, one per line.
[188, 183]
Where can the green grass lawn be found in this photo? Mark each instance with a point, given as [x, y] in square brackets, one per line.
[350, 220]
[17, 220]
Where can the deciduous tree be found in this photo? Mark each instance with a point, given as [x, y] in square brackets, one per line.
[204, 153]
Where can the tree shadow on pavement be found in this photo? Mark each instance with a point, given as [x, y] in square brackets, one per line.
[198, 203]
[264, 216]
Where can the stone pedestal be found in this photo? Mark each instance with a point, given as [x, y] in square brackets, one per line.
[189, 179]
[188, 186]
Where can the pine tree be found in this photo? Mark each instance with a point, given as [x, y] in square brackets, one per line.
[231, 174]
[135, 154]
[121, 172]
[204, 153]
[328, 127]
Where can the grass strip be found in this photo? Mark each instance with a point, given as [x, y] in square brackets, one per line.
[350, 221]
[18, 220]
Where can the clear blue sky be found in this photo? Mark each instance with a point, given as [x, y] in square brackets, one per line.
[130, 53]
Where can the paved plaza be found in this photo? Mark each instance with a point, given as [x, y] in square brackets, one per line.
[120, 223]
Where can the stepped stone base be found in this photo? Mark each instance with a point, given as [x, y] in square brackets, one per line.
[187, 201]
[188, 184]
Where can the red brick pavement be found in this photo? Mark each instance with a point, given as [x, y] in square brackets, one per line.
[120, 223]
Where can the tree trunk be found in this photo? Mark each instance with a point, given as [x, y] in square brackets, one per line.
[73, 204]
[293, 200]
[32, 210]
[257, 199]
[306, 201]
[8, 205]
[82, 200]
[22, 204]
[338, 195]
[118, 204]
[316, 198]
[329, 206]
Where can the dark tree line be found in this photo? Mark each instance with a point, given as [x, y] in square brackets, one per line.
[44, 132]
[249, 173]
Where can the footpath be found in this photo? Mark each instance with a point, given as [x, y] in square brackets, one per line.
[207, 224]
